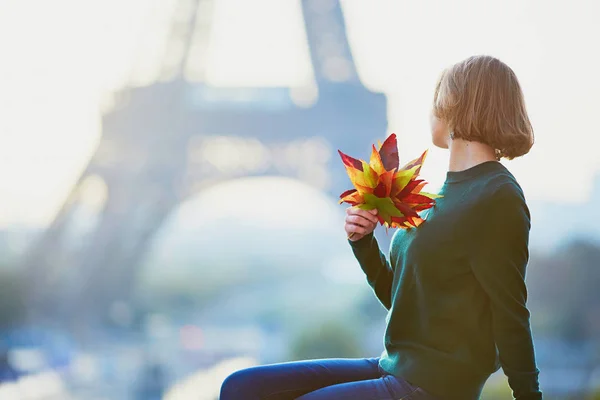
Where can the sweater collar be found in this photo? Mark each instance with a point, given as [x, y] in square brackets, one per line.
[474, 171]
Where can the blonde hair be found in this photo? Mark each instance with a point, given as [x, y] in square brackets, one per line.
[481, 100]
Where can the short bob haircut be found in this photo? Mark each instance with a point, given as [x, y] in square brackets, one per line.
[480, 100]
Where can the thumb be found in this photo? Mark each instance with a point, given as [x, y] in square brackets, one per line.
[373, 211]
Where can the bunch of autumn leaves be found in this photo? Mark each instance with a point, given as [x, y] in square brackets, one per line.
[395, 192]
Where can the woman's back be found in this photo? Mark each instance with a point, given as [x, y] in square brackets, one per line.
[470, 254]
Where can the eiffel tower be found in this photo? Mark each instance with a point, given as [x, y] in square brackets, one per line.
[158, 147]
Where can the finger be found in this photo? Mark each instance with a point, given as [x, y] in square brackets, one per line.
[359, 220]
[358, 211]
[367, 214]
[357, 229]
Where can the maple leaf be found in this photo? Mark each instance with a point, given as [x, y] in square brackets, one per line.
[395, 192]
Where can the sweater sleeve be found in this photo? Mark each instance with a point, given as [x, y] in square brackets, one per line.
[499, 260]
[376, 267]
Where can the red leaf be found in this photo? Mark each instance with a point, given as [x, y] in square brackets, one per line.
[421, 207]
[412, 198]
[347, 192]
[409, 187]
[399, 220]
[380, 190]
[405, 209]
[350, 161]
[389, 153]
[384, 187]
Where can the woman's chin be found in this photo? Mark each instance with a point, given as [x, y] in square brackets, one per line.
[442, 144]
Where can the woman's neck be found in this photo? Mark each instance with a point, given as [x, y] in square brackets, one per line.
[465, 154]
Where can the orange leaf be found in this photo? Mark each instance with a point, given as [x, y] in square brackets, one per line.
[419, 187]
[354, 198]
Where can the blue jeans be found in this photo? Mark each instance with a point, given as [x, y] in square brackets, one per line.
[335, 378]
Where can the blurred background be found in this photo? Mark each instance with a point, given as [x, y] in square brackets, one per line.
[169, 181]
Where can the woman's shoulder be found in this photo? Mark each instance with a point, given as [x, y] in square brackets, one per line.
[500, 192]
[502, 185]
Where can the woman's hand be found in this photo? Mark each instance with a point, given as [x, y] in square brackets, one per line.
[360, 223]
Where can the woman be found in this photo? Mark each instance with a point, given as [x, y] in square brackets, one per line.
[454, 286]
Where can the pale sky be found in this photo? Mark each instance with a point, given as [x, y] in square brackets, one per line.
[60, 60]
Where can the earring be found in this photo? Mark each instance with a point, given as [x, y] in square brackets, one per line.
[452, 135]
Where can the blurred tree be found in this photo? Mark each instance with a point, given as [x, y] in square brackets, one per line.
[564, 287]
[12, 298]
[330, 339]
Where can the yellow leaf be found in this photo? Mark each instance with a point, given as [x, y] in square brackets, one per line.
[357, 177]
[370, 176]
[417, 162]
[431, 195]
[375, 162]
[402, 178]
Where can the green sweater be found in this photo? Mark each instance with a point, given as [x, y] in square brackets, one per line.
[455, 289]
